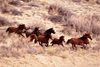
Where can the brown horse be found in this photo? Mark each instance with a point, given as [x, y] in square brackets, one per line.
[36, 31]
[33, 36]
[58, 41]
[85, 38]
[80, 41]
[18, 30]
[44, 39]
[49, 31]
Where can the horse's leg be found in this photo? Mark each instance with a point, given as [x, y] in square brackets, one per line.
[40, 44]
[52, 44]
[46, 45]
[89, 45]
[62, 45]
[73, 46]
[84, 46]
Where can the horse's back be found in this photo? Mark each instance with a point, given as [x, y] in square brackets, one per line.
[40, 37]
[55, 40]
[11, 29]
[76, 41]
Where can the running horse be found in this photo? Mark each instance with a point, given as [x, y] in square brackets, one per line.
[18, 30]
[49, 31]
[36, 31]
[80, 41]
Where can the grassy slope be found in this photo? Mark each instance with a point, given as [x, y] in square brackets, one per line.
[51, 57]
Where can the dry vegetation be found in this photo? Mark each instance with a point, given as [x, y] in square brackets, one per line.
[71, 18]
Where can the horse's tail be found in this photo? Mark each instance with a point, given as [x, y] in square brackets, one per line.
[68, 41]
[35, 41]
[7, 30]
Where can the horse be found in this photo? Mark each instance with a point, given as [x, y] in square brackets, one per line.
[49, 31]
[80, 41]
[44, 39]
[58, 41]
[18, 30]
[85, 38]
[36, 31]
[33, 36]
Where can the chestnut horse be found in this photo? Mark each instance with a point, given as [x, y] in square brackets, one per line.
[80, 41]
[33, 36]
[18, 30]
[36, 31]
[58, 41]
[49, 31]
[44, 39]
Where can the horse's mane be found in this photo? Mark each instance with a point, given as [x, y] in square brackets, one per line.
[49, 30]
[61, 37]
[83, 37]
[36, 29]
[48, 35]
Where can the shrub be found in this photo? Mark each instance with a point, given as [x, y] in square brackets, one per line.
[4, 22]
[16, 12]
[76, 0]
[14, 2]
[34, 4]
[59, 10]
[26, 0]
[59, 13]
[56, 18]
[5, 7]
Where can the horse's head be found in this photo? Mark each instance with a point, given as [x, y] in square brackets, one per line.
[87, 35]
[52, 30]
[62, 38]
[48, 36]
[36, 29]
[22, 26]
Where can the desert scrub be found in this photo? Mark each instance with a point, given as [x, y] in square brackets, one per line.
[59, 10]
[64, 54]
[16, 46]
[51, 50]
[26, 0]
[4, 22]
[5, 7]
[14, 2]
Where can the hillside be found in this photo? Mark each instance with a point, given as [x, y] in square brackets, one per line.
[70, 18]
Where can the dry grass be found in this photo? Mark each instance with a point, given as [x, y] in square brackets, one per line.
[77, 17]
[51, 51]
[4, 22]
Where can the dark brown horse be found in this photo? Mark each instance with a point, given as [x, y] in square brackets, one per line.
[80, 41]
[18, 30]
[58, 41]
[49, 31]
[36, 31]
[44, 39]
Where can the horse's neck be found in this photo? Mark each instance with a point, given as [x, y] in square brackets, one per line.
[83, 38]
[20, 28]
[48, 31]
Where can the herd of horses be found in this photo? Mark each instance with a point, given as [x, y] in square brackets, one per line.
[44, 38]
